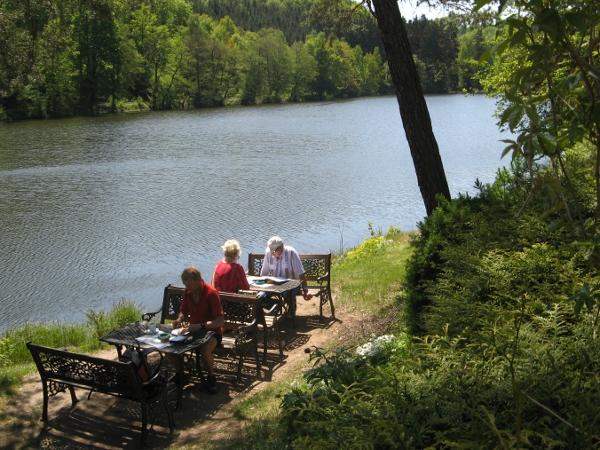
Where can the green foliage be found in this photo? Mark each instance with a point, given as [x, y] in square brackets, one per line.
[15, 359]
[435, 45]
[102, 322]
[508, 315]
[369, 276]
[111, 55]
[64, 58]
[546, 74]
[473, 46]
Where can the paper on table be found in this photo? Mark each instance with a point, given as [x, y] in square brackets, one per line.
[276, 280]
[153, 340]
[252, 278]
[265, 281]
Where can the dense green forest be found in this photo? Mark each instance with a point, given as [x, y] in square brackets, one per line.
[67, 57]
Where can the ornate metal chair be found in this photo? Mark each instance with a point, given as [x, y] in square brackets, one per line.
[241, 313]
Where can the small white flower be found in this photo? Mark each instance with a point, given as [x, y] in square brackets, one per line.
[375, 346]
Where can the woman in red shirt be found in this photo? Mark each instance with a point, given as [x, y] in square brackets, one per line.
[229, 276]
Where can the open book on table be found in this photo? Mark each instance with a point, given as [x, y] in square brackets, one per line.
[264, 280]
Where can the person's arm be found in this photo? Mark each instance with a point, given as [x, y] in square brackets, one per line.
[298, 269]
[182, 312]
[214, 281]
[305, 293]
[177, 322]
[243, 281]
[214, 324]
[264, 270]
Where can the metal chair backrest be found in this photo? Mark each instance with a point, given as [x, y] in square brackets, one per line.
[172, 298]
[317, 267]
[255, 262]
[239, 309]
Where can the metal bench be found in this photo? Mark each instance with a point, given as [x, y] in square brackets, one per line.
[60, 370]
[317, 272]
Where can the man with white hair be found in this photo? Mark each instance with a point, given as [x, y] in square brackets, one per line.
[283, 261]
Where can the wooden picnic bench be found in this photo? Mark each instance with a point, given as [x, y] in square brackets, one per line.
[241, 314]
[60, 370]
[317, 272]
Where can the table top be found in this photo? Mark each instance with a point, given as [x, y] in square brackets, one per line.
[127, 336]
[277, 288]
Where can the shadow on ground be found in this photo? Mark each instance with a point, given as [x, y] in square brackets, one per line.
[102, 422]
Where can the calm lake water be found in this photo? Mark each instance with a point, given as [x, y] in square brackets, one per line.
[93, 210]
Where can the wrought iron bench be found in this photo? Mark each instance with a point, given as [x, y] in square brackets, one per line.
[60, 370]
[318, 276]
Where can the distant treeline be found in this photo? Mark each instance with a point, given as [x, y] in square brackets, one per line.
[66, 57]
[447, 50]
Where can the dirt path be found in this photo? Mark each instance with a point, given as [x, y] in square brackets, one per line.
[104, 422]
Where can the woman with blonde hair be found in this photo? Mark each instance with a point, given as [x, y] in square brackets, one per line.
[229, 276]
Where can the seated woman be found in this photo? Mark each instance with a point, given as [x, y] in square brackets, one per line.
[229, 276]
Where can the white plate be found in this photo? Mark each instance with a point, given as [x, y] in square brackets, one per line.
[179, 332]
[178, 339]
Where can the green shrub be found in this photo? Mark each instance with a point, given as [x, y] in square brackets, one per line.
[15, 359]
[102, 322]
[504, 293]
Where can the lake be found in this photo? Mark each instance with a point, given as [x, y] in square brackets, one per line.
[93, 210]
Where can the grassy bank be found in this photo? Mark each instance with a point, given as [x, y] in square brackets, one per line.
[369, 277]
[15, 359]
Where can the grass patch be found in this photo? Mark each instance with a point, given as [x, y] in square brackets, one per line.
[261, 411]
[369, 277]
[15, 359]
[265, 402]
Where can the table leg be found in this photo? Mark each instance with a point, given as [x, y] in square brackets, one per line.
[179, 379]
[290, 299]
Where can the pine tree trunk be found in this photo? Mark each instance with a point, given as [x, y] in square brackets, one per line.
[413, 109]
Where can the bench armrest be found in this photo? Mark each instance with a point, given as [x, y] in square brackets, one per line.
[246, 329]
[272, 309]
[150, 315]
[323, 277]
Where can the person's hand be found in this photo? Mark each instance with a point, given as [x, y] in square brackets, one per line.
[307, 296]
[176, 323]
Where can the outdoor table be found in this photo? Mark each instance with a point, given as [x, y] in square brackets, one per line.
[126, 337]
[281, 292]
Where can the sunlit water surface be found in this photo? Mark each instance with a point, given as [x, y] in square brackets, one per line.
[93, 210]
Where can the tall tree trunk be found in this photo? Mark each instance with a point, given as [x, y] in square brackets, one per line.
[413, 109]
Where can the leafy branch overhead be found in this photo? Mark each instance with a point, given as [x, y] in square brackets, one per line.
[546, 74]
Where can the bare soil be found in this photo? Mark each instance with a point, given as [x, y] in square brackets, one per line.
[104, 422]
